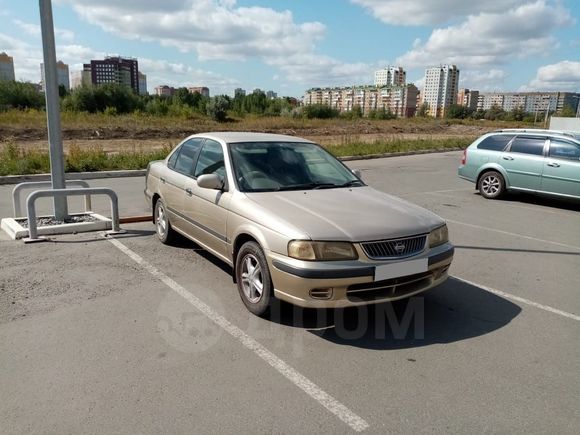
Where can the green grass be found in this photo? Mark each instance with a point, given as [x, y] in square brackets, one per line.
[16, 161]
[397, 145]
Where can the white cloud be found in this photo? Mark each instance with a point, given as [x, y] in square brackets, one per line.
[487, 80]
[492, 38]
[561, 76]
[221, 30]
[422, 12]
[34, 30]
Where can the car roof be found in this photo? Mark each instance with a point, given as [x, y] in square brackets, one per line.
[536, 131]
[243, 136]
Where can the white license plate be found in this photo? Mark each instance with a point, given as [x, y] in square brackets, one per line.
[404, 268]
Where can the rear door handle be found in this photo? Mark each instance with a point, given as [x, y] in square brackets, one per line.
[188, 191]
[162, 179]
[554, 164]
[508, 158]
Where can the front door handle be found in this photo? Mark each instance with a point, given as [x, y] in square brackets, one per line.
[162, 180]
[554, 164]
[508, 158]
[188, 191]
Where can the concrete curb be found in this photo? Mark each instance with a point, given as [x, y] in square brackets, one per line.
[15, 179]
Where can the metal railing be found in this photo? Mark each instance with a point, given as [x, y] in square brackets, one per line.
[31, 209]
[16, 205]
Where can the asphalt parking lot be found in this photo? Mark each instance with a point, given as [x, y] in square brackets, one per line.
[131, 336]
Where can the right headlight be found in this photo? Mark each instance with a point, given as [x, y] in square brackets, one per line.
[438, 236]
[311, 251]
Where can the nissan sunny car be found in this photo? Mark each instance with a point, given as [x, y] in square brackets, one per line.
[537, 161]
[294, 222]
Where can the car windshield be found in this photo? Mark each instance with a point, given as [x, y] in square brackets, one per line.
[277, 166]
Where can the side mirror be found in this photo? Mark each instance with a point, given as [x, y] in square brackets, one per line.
[210, 181]
[357, 172]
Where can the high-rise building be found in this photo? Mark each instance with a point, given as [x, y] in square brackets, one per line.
[142, 83]
[270, 95]
[468, 98]
[6, 67]
[115, 70]
[201, 89]
[239, 91]
[62, 76]
[440, 89]
[81, 78]
[164, 90]
[391, 76]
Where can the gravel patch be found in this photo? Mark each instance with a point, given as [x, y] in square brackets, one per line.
[49, 221]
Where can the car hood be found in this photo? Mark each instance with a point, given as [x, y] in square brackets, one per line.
[354, 214]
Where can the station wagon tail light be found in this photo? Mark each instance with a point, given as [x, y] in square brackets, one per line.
[438, 236]
[464, 157]
[311, 251]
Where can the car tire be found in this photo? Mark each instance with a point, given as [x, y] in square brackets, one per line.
[162, 225]
[491, 185]
[253, 279]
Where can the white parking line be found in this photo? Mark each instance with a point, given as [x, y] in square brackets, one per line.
[302, 382]
[564, 245]
[520, 299]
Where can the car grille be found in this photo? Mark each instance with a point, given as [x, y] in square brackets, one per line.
[394, 248]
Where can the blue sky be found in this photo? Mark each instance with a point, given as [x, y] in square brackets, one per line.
[291, 45]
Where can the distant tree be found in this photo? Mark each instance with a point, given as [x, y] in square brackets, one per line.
[62, 92]
[20, 95]
[218, 107]
[423, 110]
[495, 112]
[457, 111]
[320, 111]
[567, 112]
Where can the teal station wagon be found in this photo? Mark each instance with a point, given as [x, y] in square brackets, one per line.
[536, 161]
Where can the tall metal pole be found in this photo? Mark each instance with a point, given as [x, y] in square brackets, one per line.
[52, 108]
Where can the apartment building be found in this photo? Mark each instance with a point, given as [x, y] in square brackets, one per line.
[239, 91]
[391, 76]
[81, 78]
[164, 90]
[114, 69]
[468, 98]
[400, 100]
[440, 89]
[529, 101]
[142, 78]
[201, 89]
[62, 76]
[6, 67]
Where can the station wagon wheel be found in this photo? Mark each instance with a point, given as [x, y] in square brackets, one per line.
[162, 225]
[491, 185]
[253, 278]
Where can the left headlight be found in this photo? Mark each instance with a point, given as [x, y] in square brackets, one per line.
[438, 236]
[309, 250]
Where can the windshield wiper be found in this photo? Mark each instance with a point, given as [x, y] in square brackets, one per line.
[308, 186]
[352, 183]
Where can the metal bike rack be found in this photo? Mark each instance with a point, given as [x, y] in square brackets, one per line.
[30, 184]
[31, 209]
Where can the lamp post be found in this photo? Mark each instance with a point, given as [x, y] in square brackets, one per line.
[52, 109]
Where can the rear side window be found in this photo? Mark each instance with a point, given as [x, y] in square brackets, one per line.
[187, 156]
[495, 143]
[564, 150]
[173, 159]
[528, 145]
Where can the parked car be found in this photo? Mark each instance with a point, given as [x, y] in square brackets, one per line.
[537, 161]
[294, 222]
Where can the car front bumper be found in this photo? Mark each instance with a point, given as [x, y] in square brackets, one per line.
[342, 284]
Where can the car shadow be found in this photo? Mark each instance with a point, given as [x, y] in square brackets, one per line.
[452, 312]
[542, 200]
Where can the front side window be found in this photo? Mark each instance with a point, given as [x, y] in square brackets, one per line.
[564, 150]
[187, 156]
[211, 160]
[495, 143]
[275, 166]
[528, 145]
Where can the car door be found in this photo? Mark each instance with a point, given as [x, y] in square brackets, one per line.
[206, 210]
[180, 168]
[562, 168]
[523, 162]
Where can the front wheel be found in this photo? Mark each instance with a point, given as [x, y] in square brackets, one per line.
[162, 225]
[491, 185]
[253, 279]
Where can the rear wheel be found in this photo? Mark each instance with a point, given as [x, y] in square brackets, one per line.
[491, 185]
[253, 279]
[162, 225]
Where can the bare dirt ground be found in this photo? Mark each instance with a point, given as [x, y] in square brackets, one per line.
[113, 139]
